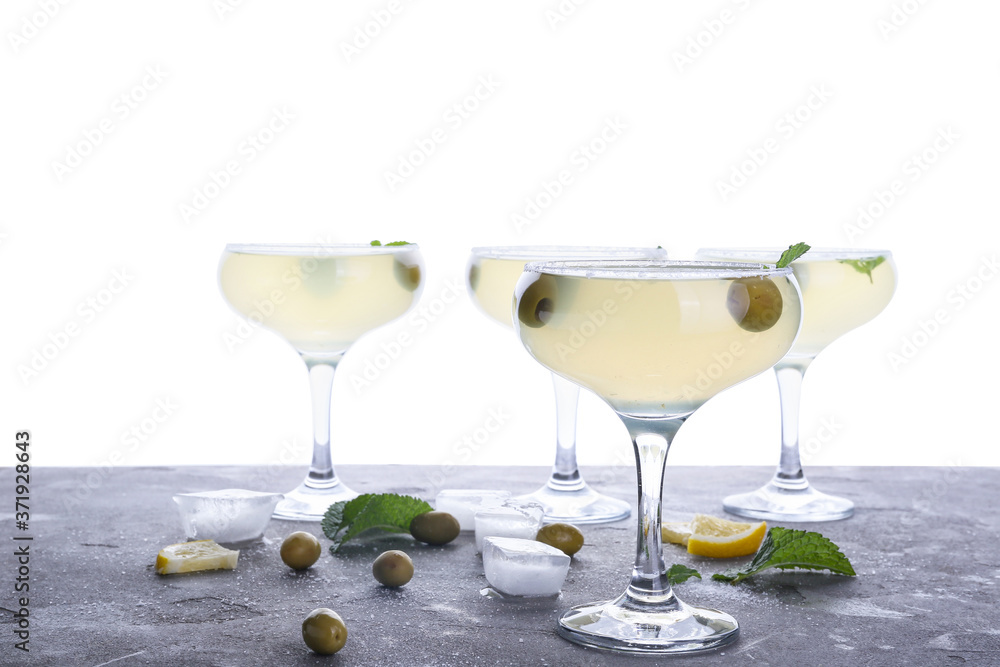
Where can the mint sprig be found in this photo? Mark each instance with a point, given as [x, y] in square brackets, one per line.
[389, 512]
[792, 254]
[864, 266]
[379, 243]
[678, 574]
[787, 549]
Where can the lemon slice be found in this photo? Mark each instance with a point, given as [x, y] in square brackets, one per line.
[722, 538]
[676, 532]
[194, 557]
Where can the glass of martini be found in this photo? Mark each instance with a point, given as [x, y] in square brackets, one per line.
[492, 274]
[666, 323]
[841, 290]
[320, 298]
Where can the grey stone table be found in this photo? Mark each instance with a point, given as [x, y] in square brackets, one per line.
[923, 541]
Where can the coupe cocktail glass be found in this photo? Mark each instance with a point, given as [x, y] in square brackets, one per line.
[654, 360]
[492, 275]
[320, 298]
[841, 290]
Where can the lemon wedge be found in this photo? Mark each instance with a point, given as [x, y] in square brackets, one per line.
[194, 557]
[676, 532]
[712, 536]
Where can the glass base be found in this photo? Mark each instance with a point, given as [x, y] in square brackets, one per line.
[774, 503]
[677, 628]
[309, 503]
[580, 506]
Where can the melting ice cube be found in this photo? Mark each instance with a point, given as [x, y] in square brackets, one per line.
[464, 503]
[524, 567]
[227, 516]
[514, 518]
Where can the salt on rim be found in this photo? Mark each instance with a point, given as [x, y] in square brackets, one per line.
[662, 269]
[532, 252]
[770, 255]
[318, 249]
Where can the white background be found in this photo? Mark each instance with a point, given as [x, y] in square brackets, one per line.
[895, 75]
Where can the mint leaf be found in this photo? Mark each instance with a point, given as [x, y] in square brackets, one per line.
[379, 243]
[792, 254]
[333, 519]
[678, 574]
[339, 516]
[389, 512]
[787, 549]
[864, 265]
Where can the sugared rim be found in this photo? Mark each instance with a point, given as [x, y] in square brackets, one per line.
[771, 255]
[659, 269]
[534, 252]
[317, 249]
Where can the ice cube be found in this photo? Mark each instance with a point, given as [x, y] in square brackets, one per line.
[228, 516]
[464, 503]
[515, 518]
[524, 567]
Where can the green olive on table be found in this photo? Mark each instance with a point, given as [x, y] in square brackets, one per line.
[755, 303]
[562, 536]
[434, 528]
[300, 550]
[392, 568]
[324, 631]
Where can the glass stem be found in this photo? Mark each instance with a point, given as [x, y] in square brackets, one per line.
[651, 440]
[565, 473]
[789, 373]
[321, 371]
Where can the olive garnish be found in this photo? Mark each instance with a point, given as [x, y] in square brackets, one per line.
[755, 303]
[537, 302]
